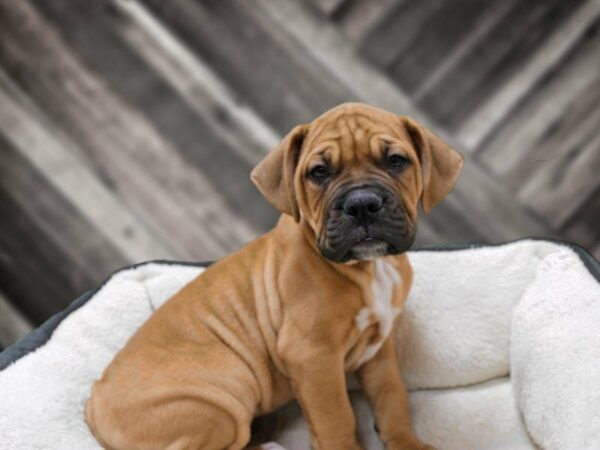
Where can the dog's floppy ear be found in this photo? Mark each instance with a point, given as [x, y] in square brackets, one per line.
[274, 175]
[440, 164]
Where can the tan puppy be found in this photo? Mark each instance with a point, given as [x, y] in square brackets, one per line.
[288, 315]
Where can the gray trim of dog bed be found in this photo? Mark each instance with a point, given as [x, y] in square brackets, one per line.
[43, 333]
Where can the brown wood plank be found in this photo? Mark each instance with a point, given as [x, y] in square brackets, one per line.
[480, 73]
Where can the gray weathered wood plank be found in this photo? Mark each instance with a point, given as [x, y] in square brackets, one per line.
[393, 34]
[480, 73]
[13, 325]
[280, 80]
[35, 272]
[583, 225]
[89, 252]
[458, 39]
[196, 83]
[77, 183]
[328, 7]
[569, 161]
[40, 274]
[94, 35]
[168, 192]
[360, 16]
[484, 120]
[49, 252]
[545, 123]
[452, 33]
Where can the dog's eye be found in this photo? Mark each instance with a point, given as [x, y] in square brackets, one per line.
[319, 172]
[397, 161]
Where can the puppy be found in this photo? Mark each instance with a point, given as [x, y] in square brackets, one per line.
[292, 312]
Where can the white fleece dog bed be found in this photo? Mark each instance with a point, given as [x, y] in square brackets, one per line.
[500, 347]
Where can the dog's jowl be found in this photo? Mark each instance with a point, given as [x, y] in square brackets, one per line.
[292, 312]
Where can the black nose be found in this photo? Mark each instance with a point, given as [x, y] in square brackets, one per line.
[362, 204]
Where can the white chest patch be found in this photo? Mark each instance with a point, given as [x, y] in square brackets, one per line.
[382, 311]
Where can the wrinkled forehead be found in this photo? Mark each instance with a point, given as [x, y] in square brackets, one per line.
[348, 130]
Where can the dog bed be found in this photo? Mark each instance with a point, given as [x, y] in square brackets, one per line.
[500, 347]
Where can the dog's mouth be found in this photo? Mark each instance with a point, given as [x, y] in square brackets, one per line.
[346, 246]
[369, 248]
[364, 224]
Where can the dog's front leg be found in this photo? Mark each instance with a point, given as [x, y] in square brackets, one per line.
[382, 382]
[319, 383]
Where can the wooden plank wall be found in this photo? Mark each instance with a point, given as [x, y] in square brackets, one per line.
[128, 127]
